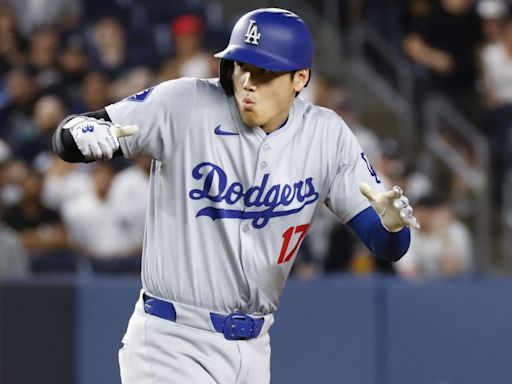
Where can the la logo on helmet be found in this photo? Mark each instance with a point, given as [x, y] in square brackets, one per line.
[252, 36]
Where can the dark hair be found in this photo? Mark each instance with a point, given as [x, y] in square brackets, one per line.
[226, 68]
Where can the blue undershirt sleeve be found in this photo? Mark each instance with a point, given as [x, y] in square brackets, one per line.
[384, 244]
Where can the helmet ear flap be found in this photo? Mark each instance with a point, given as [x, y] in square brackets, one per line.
[226, 68]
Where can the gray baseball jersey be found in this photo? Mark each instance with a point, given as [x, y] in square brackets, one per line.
[229, 204]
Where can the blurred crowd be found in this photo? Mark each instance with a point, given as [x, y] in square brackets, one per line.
[59, 57]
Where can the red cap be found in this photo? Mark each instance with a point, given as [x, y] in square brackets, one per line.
[186, 24]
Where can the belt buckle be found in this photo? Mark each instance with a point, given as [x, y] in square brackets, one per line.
[238, 326]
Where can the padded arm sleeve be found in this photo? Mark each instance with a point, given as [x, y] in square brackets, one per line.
[64, 145]
[385, 245]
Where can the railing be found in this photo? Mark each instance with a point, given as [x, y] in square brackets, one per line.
[437, 114]
[440, 116]
[399, 100]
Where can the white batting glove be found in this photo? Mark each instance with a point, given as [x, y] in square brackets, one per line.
[392, 207]
[97, 139]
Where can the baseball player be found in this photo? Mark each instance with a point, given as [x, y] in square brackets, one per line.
[240, 165]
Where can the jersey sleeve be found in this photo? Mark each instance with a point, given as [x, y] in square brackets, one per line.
[161, 112]
[344, 198]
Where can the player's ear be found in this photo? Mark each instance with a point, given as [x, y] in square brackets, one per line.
[300, 79]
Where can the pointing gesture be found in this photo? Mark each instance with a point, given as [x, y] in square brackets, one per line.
[97, 139]
[392, 207]
[127, 130]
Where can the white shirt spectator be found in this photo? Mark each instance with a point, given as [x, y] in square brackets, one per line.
[32, 14]
[196, 66]
[129, 195]
[14, 261]
[94, 226]
[497, 71]
[64, 181]
[444, 251]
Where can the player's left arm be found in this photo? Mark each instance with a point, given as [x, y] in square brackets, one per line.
[384, 227]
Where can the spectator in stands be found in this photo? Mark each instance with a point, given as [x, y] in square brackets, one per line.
[5, 155]
[443, 247]
[383, 15]
[64, 181]
[17, 127]
[497, 80]
[129, 195]
[347, 254]
[493, 14]
[109, 51]
[95, 92]
[13, 258]
[187, 36]
[446, 44]
[14, 171]
[338, 101]
[315, 247]
[42, 58]
[73, 63]
[10, 51]
[42, 13]
[47, 112]
[14, 261]
[96, 9]
[33, 133]
[169, 70]
[415, 15]
[341, 249]
[39, 228]
[106, 242]
[393, 169]
[133, 81]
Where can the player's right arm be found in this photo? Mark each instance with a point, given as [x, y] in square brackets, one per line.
[88, 137]
[150, 122]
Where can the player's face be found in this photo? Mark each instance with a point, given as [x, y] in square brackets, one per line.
[264, 98]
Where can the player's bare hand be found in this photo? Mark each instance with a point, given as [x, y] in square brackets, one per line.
[97, 139]
[392, 206]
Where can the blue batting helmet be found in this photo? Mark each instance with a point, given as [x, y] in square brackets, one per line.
[271, 38]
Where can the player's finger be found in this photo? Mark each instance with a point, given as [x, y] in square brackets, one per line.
[411, 221]
[394, 193]
[96, 152]
[401, 202]
[367, 191]
[107, 151]
[127, 130]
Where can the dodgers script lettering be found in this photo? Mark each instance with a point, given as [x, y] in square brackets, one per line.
[270, 199]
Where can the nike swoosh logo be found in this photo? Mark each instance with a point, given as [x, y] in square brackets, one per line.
[220, 132]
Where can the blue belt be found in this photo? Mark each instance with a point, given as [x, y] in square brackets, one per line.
[235, 326]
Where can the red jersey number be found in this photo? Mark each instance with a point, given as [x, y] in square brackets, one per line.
[300, 230]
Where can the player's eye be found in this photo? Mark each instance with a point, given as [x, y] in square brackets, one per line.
[243, 66]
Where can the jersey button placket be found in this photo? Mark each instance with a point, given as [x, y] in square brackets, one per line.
[263, 157]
